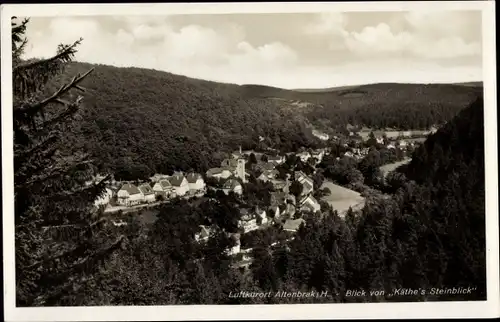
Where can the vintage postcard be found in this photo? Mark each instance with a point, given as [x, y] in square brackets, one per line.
[249, 161]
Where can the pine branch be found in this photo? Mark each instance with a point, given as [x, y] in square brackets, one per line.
[30, 110]
[71, 109]
[65, 54]
[54, 172]
[25, 155]
[96, 187]
[85, 265]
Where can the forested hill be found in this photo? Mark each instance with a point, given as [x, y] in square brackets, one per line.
[457, 146]
[138, 121]
[451, 204]
[401, 106]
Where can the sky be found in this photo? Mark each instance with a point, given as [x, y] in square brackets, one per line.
[289, 50]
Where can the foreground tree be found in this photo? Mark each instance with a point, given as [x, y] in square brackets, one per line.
[60, 239]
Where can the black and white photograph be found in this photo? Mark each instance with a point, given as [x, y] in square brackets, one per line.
[255, 158]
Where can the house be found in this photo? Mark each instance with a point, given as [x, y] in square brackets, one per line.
[147, 191]
[180, 183]
[157, 177]
[306, 181]
[278, 198]
[248, 220]
[267, 175]
[309, 203]
[232, 185]
[276, 159]
[129, 195]
[304, 156]
[275, 212]
[219, 173]
[105, 198]
[265, 166]
[320, 135]
[290, 210]
[237, 245]
[237, 154]
[293, 225]
[318, 155]
[164, 188]
[280, 185]
[229, 163]
[261, 216]
[203, 234]
[195, 182]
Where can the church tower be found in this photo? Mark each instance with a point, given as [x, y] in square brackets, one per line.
[240, 169]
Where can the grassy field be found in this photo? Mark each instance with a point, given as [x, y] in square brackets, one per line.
[342, 198]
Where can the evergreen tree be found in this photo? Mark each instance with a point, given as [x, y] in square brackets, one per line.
[60, 239]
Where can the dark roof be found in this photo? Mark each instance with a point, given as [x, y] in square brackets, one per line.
[266, 166]
[274, 158]
[176, 180]
[231, 184]
[229, 163]
[130, 188]
[213, 171]
[307, 186]
[146, 189]
[165, 184]
[193, 177]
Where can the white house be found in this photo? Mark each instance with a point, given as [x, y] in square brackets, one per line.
[306, 181]
[129, 195]
[278, 159]
[219, 173]
[310, 203]
[248, 220]
[261, 215]
[318, 154]
[195, 182]
[237, 245]
[304, 156]
[147, 191]
[402, 143]
[232, 185]
[104, 199]
[203, 235]
[275, 212]
[164, 188]
[180, 183]
[157, 177]
[293, 225]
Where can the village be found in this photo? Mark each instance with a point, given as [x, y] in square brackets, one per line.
[286, 210]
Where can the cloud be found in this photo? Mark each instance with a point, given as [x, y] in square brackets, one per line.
[376, 53]
[439, 24]
[331, 23]
[430, 35]
[191, 50]
[378, 40]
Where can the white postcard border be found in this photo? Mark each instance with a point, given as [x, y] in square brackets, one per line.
[487, 308]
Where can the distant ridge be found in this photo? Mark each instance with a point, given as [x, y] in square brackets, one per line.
[347, 87]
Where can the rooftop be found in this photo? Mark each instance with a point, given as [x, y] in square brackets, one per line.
[130, 188]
